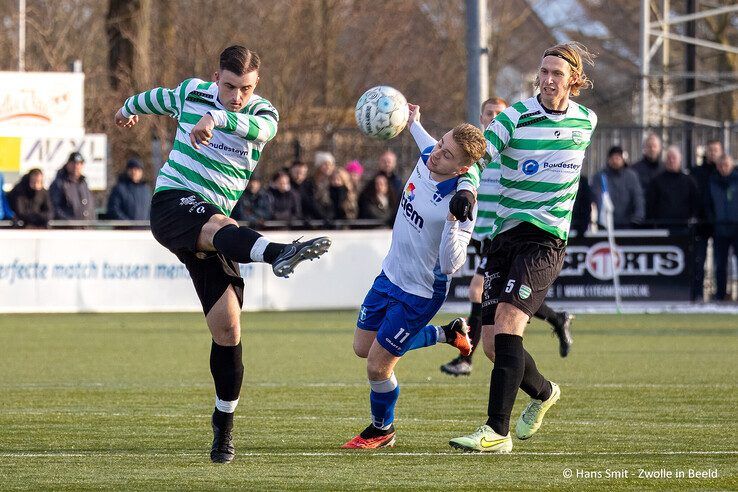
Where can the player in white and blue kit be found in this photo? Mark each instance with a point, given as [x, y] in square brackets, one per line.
[428, 245]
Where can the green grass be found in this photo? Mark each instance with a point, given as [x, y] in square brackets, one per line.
[123, 402]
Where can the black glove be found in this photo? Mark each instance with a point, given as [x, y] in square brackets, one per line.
[462, 204]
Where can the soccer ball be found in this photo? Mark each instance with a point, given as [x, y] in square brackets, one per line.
[382, 112]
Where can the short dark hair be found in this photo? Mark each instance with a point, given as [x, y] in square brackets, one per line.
[239, 60]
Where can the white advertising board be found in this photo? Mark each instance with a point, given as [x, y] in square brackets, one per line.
[41, 102]
[128, 271]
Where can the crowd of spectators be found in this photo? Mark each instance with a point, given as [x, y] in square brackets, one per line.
[652, 192]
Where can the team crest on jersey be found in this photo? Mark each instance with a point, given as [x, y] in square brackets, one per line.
[437, 197]
[524, 292]
[577, 137]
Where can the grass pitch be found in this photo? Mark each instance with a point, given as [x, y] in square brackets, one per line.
[114, 401]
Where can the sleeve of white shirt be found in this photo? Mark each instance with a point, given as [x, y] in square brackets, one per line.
[454, 243]
[422, 137]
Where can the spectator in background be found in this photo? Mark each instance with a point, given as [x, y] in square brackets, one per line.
[722, 206]
[316, 200]
[378, 201]
[650, 164]
[255, 205]
[6, 213]
[387, 164]
[672, 200]
[31, 201]
[298, 176]
[343, 195]
[624, 189]
[356, 171]
[69, 192]
[704, 229]
[285, 201]
[130, 198]
[581, 215]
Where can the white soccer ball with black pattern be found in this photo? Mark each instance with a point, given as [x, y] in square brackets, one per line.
[382, 112]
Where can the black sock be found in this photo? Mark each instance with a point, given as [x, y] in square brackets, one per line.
[534, 384]
[507, 374]
[372, 431]
[222, 420]
[547, 314]
[272, 251]
[236, 243]
[226, 366]
[475, 328]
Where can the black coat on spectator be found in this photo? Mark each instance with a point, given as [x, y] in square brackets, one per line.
[285, 205]
[672, 200]
[33, 208]
[582, 211]
[371, 207]
[129, 200]
[722, 204]
[72, 200]
[625, 193]
[646, 170]
[316, 201]
[702, 175]
[253, 208]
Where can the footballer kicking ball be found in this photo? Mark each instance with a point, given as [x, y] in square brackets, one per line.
[382, 112]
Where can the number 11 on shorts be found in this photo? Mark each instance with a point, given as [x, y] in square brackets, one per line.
[400, 334]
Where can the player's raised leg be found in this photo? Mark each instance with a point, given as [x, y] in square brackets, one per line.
[245, 245]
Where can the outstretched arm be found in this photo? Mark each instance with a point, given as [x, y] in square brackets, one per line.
[454, 243]
[422, 138]
[158, 101]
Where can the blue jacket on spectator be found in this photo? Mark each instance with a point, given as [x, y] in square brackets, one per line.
[129, 200]
[5, 212]
[722, 205]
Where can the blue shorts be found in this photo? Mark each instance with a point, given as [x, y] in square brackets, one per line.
[395, 315]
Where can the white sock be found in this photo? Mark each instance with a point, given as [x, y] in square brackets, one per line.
[441, 334]
[226, 406]
[257, 250]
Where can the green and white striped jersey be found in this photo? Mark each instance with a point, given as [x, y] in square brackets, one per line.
[219, 171]
[541, 156]
[488, 195]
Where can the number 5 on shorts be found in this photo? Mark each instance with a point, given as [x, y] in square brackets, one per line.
[510, 286]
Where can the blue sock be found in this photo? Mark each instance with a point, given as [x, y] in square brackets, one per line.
[382, 398]
[427, 337]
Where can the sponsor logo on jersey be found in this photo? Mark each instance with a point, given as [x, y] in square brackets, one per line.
[409, 193]
[407, 207]
[530, 167]
[202, 94]
[226, 148]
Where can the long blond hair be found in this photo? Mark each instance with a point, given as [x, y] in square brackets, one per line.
[575, 54]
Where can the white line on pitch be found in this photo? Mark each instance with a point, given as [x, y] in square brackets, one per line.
[97, 454]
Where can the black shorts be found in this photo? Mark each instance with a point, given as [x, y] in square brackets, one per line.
[177, 216]
[522, 263]
[481, 247]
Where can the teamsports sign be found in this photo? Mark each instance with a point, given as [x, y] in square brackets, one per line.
[652, 265]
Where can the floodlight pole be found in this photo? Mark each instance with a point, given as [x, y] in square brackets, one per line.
[477, 73]
[21, 35]
[645, 61]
